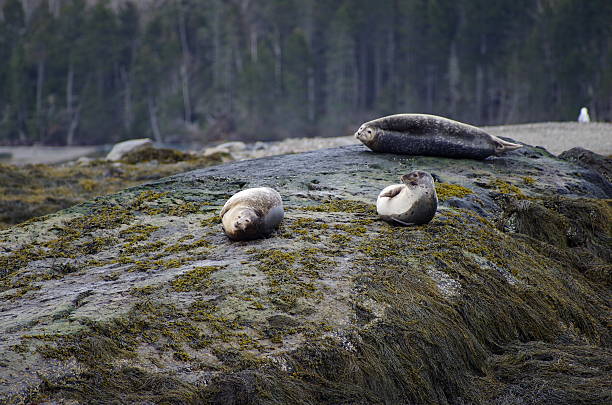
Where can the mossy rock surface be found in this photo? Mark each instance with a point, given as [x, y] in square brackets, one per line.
[138, 297]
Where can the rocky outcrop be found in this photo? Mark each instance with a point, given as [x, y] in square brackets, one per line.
[121, 149]
[591, 160]
[138, 297]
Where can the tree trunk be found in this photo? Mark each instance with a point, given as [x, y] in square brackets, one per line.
[480, 82]
[185, 63]
[127, 99]
[69, 88]
[454, 80]
[479, 91]
[54, 7]
[254, 45]
[74, 124]
[40, 80]
[278, 62]
[153, 118]
[69, 104]
[429, 87]
[311, 95]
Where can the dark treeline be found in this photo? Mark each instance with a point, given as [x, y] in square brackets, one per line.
[77, 72]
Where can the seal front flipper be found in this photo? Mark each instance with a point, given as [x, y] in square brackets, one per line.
[391, 191]
[402, 222]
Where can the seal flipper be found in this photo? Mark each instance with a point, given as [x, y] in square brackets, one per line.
[392, 192]
[402, 222]
[502, 146]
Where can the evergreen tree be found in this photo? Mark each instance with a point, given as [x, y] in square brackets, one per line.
[191, 70]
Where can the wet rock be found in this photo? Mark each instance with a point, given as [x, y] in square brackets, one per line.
[591, 160]
[139, 297]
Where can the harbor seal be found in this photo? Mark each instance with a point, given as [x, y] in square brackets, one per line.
[430, 135]
[412, 203]
[252, 213]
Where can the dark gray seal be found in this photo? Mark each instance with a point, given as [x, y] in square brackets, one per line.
[414, 202]
[430, 135]
[252, 213]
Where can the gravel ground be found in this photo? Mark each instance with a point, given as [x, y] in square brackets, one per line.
[21, 155]
[556, 137]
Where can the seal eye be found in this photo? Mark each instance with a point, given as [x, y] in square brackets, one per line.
[369, 131]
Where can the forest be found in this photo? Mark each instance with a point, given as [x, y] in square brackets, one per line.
[77, 72]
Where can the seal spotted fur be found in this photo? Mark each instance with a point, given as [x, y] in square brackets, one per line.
[252, 213]
[430, 135]
[412, 203]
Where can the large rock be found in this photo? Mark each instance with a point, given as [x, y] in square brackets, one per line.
[138, 297]
[591, 160]
[121, 149]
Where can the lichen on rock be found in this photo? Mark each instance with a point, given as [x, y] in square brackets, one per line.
[139, 297]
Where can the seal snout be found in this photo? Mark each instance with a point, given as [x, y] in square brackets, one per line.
[242, 223]
[365, 133]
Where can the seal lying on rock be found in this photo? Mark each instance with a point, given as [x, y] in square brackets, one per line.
[252, 213]
[412, 203]
[430, 135]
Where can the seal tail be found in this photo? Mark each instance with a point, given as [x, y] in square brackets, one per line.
[505, 146]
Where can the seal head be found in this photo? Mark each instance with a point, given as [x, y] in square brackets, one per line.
[430, 135]
[368, 134]
[252, 213]
[413, 202]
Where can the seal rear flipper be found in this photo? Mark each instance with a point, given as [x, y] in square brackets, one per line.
[502, 146]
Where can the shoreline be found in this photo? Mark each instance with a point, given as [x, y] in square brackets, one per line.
[556, 137]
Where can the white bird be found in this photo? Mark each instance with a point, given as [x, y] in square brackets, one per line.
[584, 115]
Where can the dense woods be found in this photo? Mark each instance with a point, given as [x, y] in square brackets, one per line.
[86, 72]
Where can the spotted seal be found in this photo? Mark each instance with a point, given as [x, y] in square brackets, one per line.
[412, 203]
[252, 213]
[430, 135]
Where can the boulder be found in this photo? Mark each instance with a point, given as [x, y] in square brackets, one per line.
[235, 146]
[586, 158]
[139, 297]
[121, 149]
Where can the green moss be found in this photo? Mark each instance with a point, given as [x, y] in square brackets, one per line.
[528, 180]
[143, 201]
[446, 191]
[196, 279]
[288, 283]
[180, 247]
[132, 248]
[184, 209]
[35, 190]
[145, 290]
[356, 230]
[506, 188]
[348, 206]
[138, 232]
[211, 221]
[340, 240]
